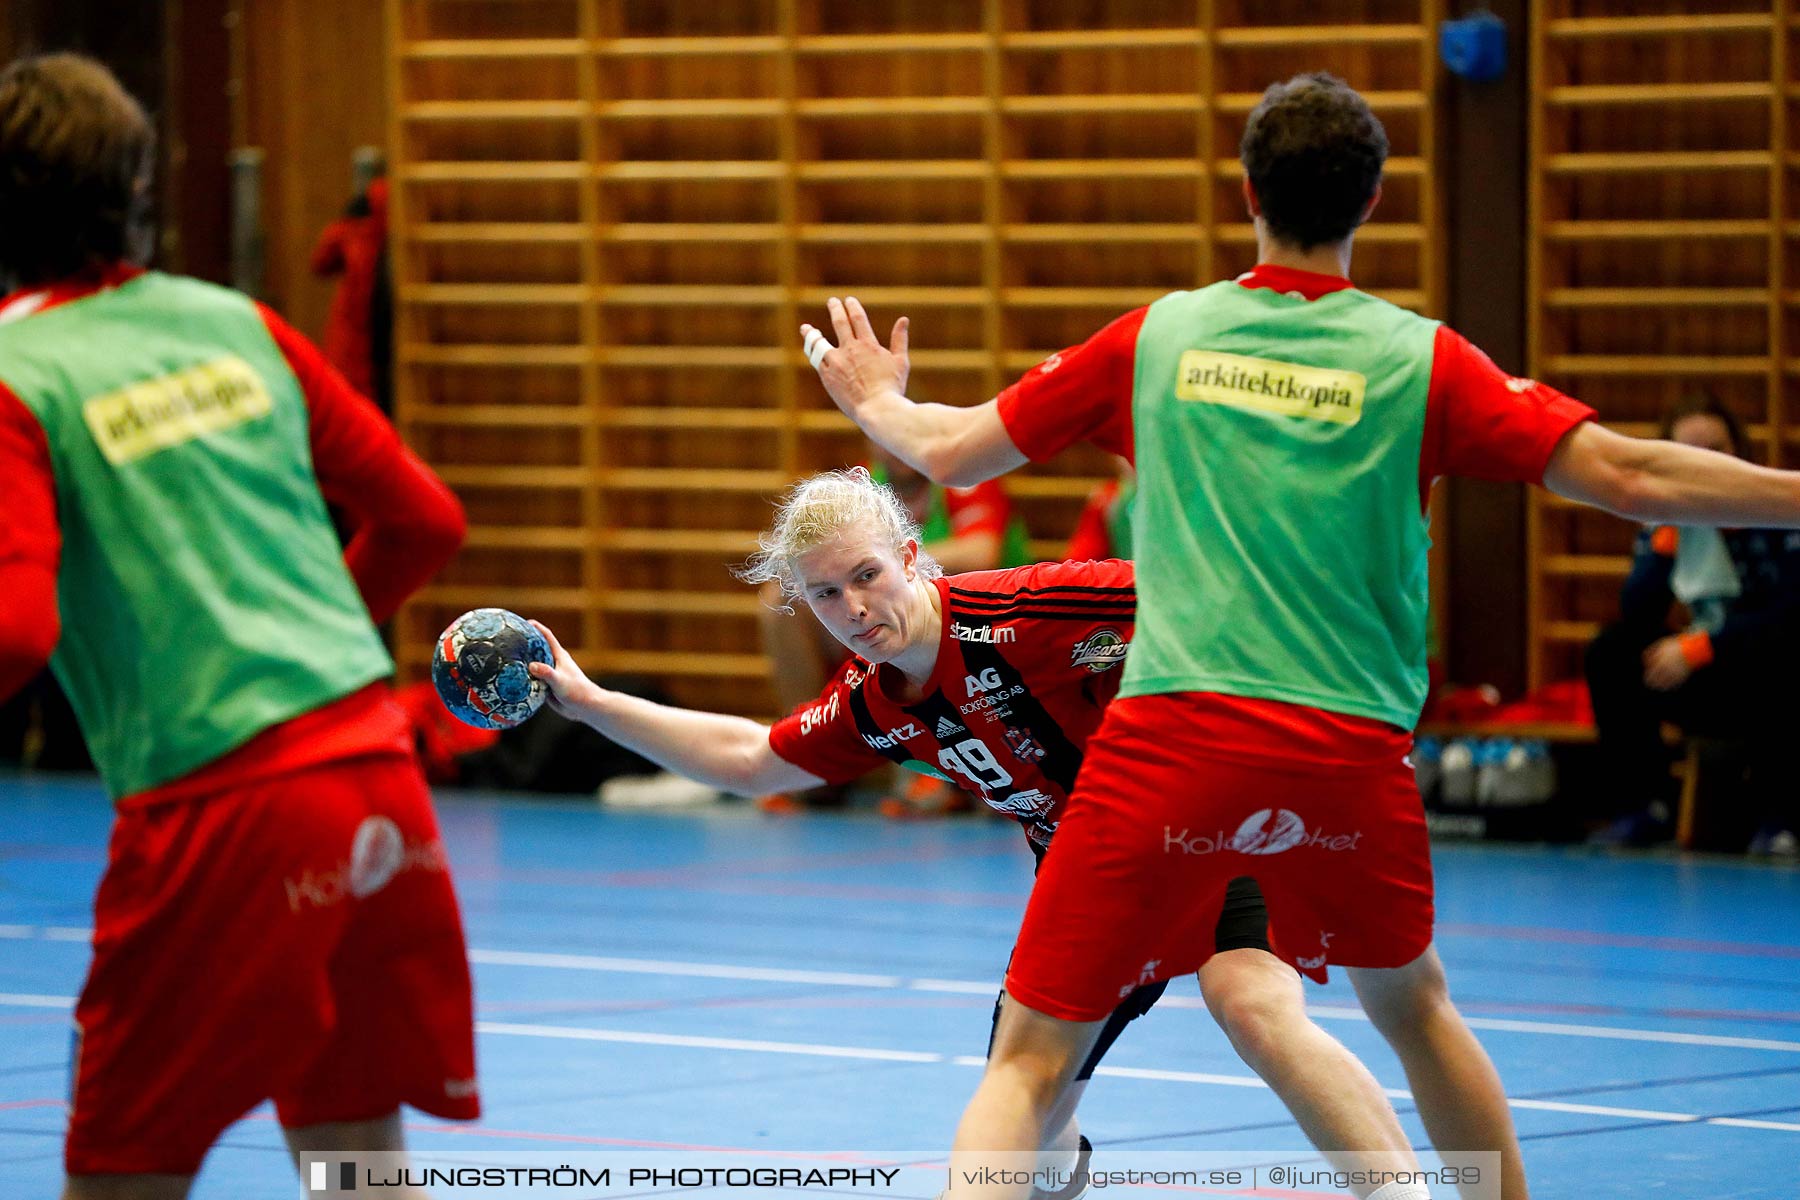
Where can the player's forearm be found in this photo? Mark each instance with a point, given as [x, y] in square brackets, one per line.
[957, 447]
[1666, 482]
[1718, 490]
[1682, 485]
[725, 752]
[926, 437]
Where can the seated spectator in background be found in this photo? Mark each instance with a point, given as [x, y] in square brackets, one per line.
[1103, 530]
[1708, 638]
[965, 529]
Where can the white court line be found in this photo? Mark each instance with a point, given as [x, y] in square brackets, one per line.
[971, 987]
[650, 966]
[961, 987]
[580, 1034]
[1554, 1029]
[1601, 1110]
[49, 933]
[875, 1054]
[1241, 1081]
[695, 970]
[1584, 1031]
[1747, 1123]
[1238, 1081]
[21, 1000]
[1251, 1081]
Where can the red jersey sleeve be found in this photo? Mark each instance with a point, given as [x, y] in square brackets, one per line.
[821, 737]
[407, 524]
[1482, 423]
[1082, 393]
[30, 547]
[984, 508]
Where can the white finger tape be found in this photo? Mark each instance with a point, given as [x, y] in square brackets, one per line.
[817, 347]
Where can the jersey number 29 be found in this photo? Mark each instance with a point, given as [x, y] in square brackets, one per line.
[974, 761]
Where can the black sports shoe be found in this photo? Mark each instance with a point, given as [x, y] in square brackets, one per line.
[1078, 1178]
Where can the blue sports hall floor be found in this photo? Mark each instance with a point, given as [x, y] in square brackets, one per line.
[725, 979]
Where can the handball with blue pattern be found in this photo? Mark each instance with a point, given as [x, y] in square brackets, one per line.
[479, 668]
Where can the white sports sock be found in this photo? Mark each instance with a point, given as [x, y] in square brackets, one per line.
[1060, 1161]
[1400, 1191]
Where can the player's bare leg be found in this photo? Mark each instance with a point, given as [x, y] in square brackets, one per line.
[382, 1135]
[127, 1187]
[1258, 1001]
[1061, 1152]
[1030, 1066]
[1459, 1094]
[1062, 1133]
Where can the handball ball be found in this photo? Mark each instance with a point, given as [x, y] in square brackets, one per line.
[479, 668]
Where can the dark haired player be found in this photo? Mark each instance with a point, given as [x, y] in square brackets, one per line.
[1285, 428]
[276, 918]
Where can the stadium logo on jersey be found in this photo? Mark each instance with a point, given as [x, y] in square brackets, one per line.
[948, 728]
[159, 413]
[1101, 650]
[1024, 746]
[987, 681]
[1266, 831]
[1267, 385]
[895, 737]
[818, 715]
[987, 635]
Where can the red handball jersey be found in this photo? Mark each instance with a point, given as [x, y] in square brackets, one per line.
[1027, 662]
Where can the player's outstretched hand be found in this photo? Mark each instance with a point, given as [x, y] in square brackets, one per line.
[859, 368]
[570, 688]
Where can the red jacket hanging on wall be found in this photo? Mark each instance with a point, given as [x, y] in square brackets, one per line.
[356, 332]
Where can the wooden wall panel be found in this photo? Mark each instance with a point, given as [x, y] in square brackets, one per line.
[312, 87]
[1661, 157]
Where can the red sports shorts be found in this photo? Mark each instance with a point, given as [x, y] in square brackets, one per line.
[296, 938]
[1162, 819]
